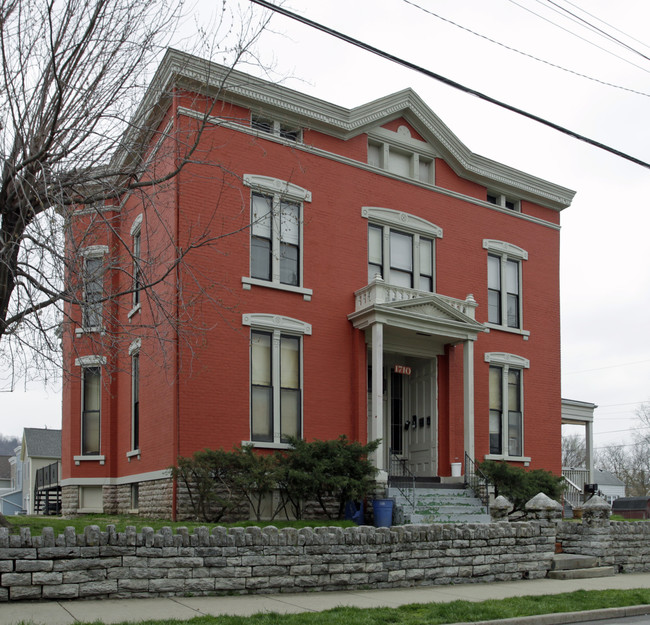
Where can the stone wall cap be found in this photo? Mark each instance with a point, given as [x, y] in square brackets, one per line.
[542, 502]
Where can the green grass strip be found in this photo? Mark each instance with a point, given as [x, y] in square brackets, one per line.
[58, 524]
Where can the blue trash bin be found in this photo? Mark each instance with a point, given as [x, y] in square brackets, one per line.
[383, 510]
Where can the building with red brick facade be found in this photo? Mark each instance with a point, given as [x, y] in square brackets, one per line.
[352, 271]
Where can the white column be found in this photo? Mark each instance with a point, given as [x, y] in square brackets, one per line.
[589, 460]
[468, 397]
[377, 406]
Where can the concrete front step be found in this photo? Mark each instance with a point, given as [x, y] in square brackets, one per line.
[440, 505]
[576, 566]
[568, 561]
[598, 571]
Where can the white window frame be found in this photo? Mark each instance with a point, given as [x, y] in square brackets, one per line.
[87, 362]
[502, 201]
[506, 362]
[276, 128]
[398, 221]
[508, 252]
[134, 353]
[92, 252]
[136, 297]
[279, 190]
[278, 326]
[401, 142]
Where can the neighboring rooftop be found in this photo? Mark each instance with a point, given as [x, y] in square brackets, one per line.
[605, 478]
[41, 443]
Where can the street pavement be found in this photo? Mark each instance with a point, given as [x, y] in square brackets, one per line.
[184, 608]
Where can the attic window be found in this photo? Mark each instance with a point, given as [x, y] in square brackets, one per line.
[400, 161]
[501, 200]
[274, 127]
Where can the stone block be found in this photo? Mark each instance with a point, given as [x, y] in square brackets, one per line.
[226, 584]
[81, 577]
[167, 585]
[133, 585]
[47, 578]
[92, 589]
[16, 579]
[21, 593]
[24, 566]
[62, 591]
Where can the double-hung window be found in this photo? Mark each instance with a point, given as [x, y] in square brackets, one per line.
[136, 234]
[276, 234]
[506, 422]
[90, 403]
[93, 288]
[504, 282]
[401, 248]
[275, 377]
[134, 352]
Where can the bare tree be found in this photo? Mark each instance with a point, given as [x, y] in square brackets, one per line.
[631, 462]
[574, 451]
[72, 74]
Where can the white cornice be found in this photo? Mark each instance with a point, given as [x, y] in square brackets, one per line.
[182, 69]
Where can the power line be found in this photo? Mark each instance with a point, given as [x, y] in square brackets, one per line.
[625, 364]
[447, 81]
[607, 24]
[525, 54]
[598, 30]
[591, 43]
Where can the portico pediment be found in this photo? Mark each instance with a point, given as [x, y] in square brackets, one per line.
[430, 313]
[430, 306]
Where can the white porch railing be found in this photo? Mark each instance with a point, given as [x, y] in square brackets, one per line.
[575, 480]
[379, 292]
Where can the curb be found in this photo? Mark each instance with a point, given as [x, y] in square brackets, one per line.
[561, 618]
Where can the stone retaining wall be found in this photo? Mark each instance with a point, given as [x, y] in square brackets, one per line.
[109, 564]
[621, 544]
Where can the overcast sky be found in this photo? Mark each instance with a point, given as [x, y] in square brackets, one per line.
[605, 269]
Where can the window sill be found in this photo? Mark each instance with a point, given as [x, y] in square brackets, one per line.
[133, 454]
[524, 333]
[524, 459]
[134, 310]
[248, 282]
[79, 459]
[265, 445]
[91, 330]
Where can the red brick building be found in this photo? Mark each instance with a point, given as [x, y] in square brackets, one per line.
[355, 272]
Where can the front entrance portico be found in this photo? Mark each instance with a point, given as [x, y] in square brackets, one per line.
[406, 330]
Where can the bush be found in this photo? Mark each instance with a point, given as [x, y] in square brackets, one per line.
[207, 476]
[520, 486]
[218, 480]
[321, 470]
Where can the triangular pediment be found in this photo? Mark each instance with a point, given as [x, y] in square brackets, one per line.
[432, 307]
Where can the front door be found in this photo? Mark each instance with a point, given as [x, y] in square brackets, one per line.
[421, 435]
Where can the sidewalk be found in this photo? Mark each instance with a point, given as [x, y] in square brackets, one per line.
[183, 608]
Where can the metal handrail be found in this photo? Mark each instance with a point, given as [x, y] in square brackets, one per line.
[477, 481]
[405, 482]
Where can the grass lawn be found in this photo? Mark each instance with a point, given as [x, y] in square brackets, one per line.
[36, 523]
[436, 613]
